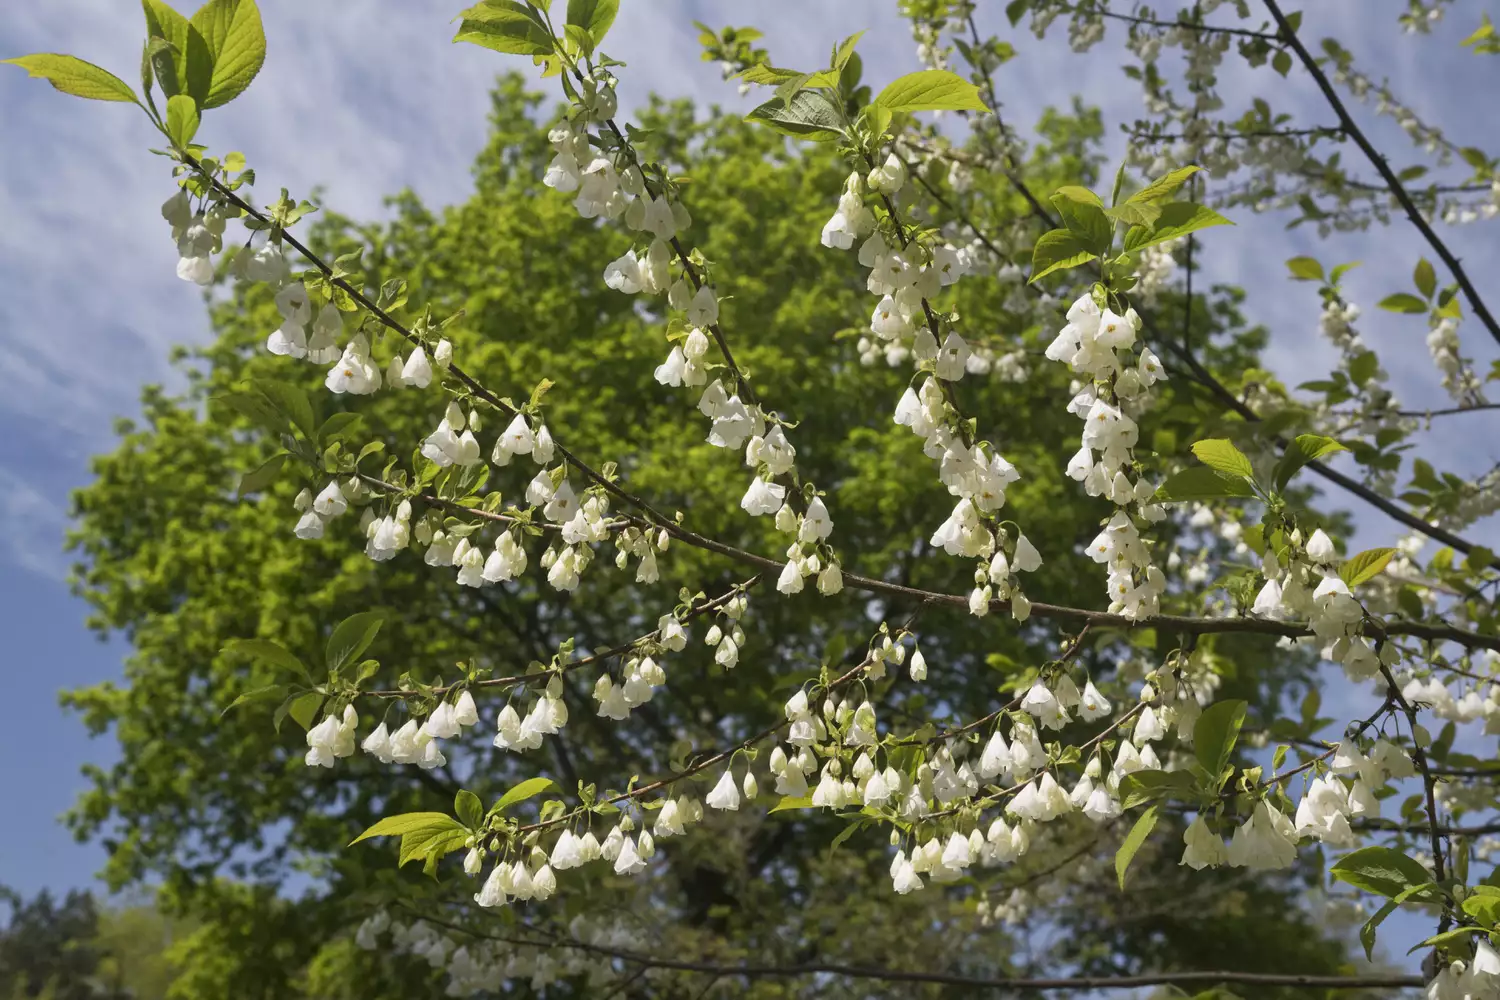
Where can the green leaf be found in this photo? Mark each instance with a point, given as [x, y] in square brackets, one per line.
[787, 803]
[236, 42]
[529, 788]
[1083, 213]
[265, 475]
[337, 424]
[351, 637]
[268, 693]
[1163, 187]
[1364, 566]
[1142, 213]
[1402, 302]
[400, 826]
[843, 51]
[1177, 218]
[1306, 448]
[1203, 483]
[1484, 908]
[186, 66]
[1425, 277]
[182, 119]
[594, 16]
[1132, 843]
[768, 75]
[1141, 787]
[1214, 737]
[429, 844]
[303, 708]
[469, 809]
[1058, 250]
[1305, 269]
[1384, 871]
[1281, 62]
[808, 114]
[1222, 455]
[72, 75]
[269, 652]
[1362, 367]
[930, 90]
[505, 26]
[292, 402]
[1443, 938]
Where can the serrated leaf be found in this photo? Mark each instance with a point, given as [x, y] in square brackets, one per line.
[1305, 269]
[768, 75]
[1365, 565]
[266, 474]
[1306, 448]
[469, 809]
[1384, 871]
[1163, 187]
[930, 90]
[1203, 483]
[1220, 454]
[400, 826]
[1057, 250]
[1215, 734]
[1177, 218]
[236, 41]
[351, 637]
[594, 16]
[843, 51]
[1083, 213]
[527, 789]
[186, 65]
[505, 26]
[1133, 843]
[72, 75]
[1402, 302]
[807, 114]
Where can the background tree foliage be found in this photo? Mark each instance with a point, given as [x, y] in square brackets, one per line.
[252, 842]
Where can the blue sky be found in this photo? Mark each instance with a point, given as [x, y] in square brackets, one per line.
[365, 97]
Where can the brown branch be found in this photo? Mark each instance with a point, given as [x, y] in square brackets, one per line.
[1288, 35]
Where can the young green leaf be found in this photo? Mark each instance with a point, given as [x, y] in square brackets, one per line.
[505, 26]
[527, 789]
[1214, 736]
[1164, 187]
[594, 16]
[1220, 454]
[1364, 566]
[930, 90]
[182, 120]
[1203, 483]
[185, 64]
[72, 75]
[292, 402]
[1425, 278]
[351, 637]
[268, 693]
[468, 808]
[259, 478]
[1133, 842]
[1306, 448]
[1177, 218]
[236, 42]
[1305, 269]
[1057, 250]
[400, 826]
[1402, 302]
[1083, 213]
